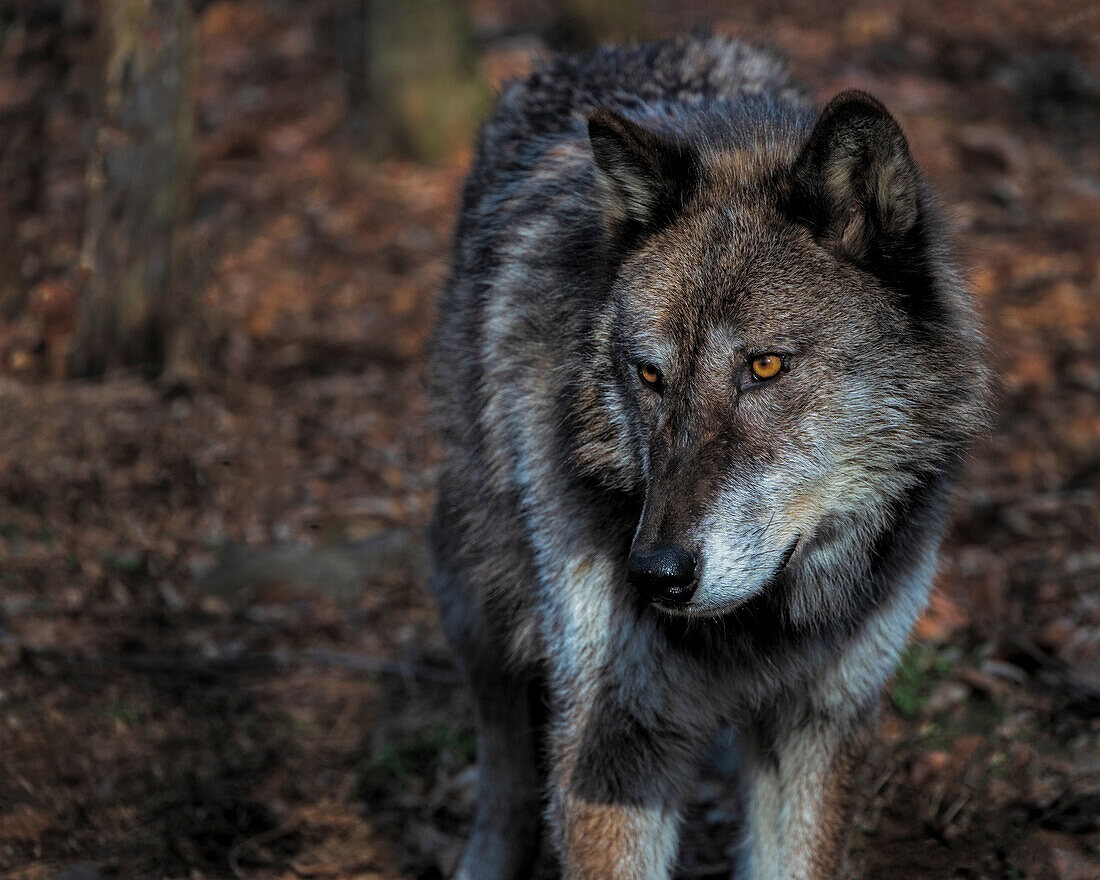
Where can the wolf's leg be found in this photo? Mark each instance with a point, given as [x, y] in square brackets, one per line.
[800, 798]
[619, 775]
[761, 850]
[504, 842]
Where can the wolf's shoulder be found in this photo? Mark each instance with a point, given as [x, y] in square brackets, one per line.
[559, 93]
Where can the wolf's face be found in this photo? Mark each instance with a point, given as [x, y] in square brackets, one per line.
[770, 342]
[760, 379]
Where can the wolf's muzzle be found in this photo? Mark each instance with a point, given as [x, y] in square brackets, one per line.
[663, 573]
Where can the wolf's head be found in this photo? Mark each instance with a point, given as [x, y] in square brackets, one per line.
[787, 351]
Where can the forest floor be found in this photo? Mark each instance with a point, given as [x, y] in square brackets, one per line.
[218, 656]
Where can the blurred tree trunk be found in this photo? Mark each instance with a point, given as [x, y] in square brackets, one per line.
[32, 37]
[424, 90]
[135, 310]
[12, 295]
[585, 24]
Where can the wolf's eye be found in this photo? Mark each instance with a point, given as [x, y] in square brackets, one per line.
[650, 376]
[766, 366]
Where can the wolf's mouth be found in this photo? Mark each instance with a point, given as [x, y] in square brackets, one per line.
[690, 610]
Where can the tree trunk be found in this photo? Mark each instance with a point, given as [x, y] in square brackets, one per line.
[12, 294]
[135, 308]
[585, 24]
[425, 93]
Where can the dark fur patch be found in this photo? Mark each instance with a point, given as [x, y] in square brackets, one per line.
[628, 760]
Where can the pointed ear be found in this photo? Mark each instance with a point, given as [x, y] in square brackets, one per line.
[645, 178]
[854, 183]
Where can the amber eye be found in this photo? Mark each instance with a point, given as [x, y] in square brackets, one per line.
[766, 366]
[650, 375]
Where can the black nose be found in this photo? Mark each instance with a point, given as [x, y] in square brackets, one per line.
[664, 572]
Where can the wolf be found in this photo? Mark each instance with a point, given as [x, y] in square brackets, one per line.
[703, 377]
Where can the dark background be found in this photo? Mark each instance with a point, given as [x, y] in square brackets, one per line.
[222, 229]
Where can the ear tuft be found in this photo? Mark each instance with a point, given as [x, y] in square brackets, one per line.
[854, 182]
[645, 178]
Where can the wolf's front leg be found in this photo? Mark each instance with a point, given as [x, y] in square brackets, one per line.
[800, 799]
[504, 842]
[619, 777]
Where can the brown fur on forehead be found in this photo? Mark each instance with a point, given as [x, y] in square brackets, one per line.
[739, 265]
[729, 173]
[733, 208]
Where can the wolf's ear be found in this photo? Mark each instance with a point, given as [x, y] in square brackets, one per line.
[854, 183]
[645, 178]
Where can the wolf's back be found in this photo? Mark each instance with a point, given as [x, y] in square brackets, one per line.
[646, 81]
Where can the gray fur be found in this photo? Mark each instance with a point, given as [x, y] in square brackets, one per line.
[727, 217]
